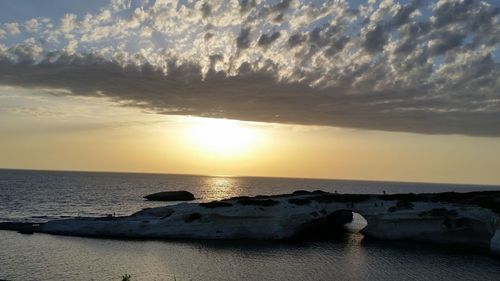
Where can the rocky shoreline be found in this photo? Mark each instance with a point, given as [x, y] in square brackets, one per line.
[451, 218]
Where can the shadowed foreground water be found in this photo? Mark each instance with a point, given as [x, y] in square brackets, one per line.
[47, 257]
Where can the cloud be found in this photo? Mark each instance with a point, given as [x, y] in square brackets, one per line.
[255, 95]
[206, 10]
[68, 23]
[266, 39]
[409, 66]
[12, 28]
[375, 38]
[296, 39]
[243, 39]
[119, 5]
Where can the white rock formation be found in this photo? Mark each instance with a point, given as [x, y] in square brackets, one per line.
[282, 217]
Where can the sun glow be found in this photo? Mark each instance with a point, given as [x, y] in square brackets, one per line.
[222, 137]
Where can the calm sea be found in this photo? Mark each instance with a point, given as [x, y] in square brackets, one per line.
[39, 196]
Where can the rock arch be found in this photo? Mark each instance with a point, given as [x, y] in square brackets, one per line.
[332, 225]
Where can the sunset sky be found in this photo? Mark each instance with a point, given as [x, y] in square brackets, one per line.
[376, 90]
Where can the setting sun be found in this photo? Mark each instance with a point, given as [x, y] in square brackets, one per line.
[221, 136]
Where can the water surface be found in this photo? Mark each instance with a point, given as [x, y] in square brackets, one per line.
[35, 195]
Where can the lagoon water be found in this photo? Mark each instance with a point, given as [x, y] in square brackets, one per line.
[39, 196]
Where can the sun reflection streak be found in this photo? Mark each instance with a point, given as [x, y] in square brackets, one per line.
[223, 187]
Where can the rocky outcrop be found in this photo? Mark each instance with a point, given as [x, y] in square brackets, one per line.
[457, 218]
[170, 196]
[21, 227]
[495, 243]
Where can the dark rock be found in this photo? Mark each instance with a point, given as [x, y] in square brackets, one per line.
[401, 205]
[410, 197]
[439, 212]
[318, 191]
[21, 227]
[341, 198]
[160, 212]
[193, 217]
[299, 201]
[257, 202]
[170, 196]
[485, 199]
[301, 192]
[215, 204]
[306, 192]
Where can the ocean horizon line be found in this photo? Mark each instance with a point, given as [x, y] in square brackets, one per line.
[249, 176]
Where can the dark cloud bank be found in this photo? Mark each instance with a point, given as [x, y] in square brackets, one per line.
[253, 96]
[463, 98]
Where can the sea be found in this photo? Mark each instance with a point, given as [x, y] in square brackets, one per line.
[38, 196]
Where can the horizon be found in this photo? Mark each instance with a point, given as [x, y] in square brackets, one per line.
[247, 176]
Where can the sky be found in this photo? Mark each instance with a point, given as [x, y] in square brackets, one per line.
[376, 90]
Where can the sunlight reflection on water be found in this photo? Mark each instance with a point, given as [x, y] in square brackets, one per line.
[29, 194]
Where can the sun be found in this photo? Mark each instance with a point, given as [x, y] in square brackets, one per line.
[221, 137]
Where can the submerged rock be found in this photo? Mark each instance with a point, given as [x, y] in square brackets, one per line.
[170, 196]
